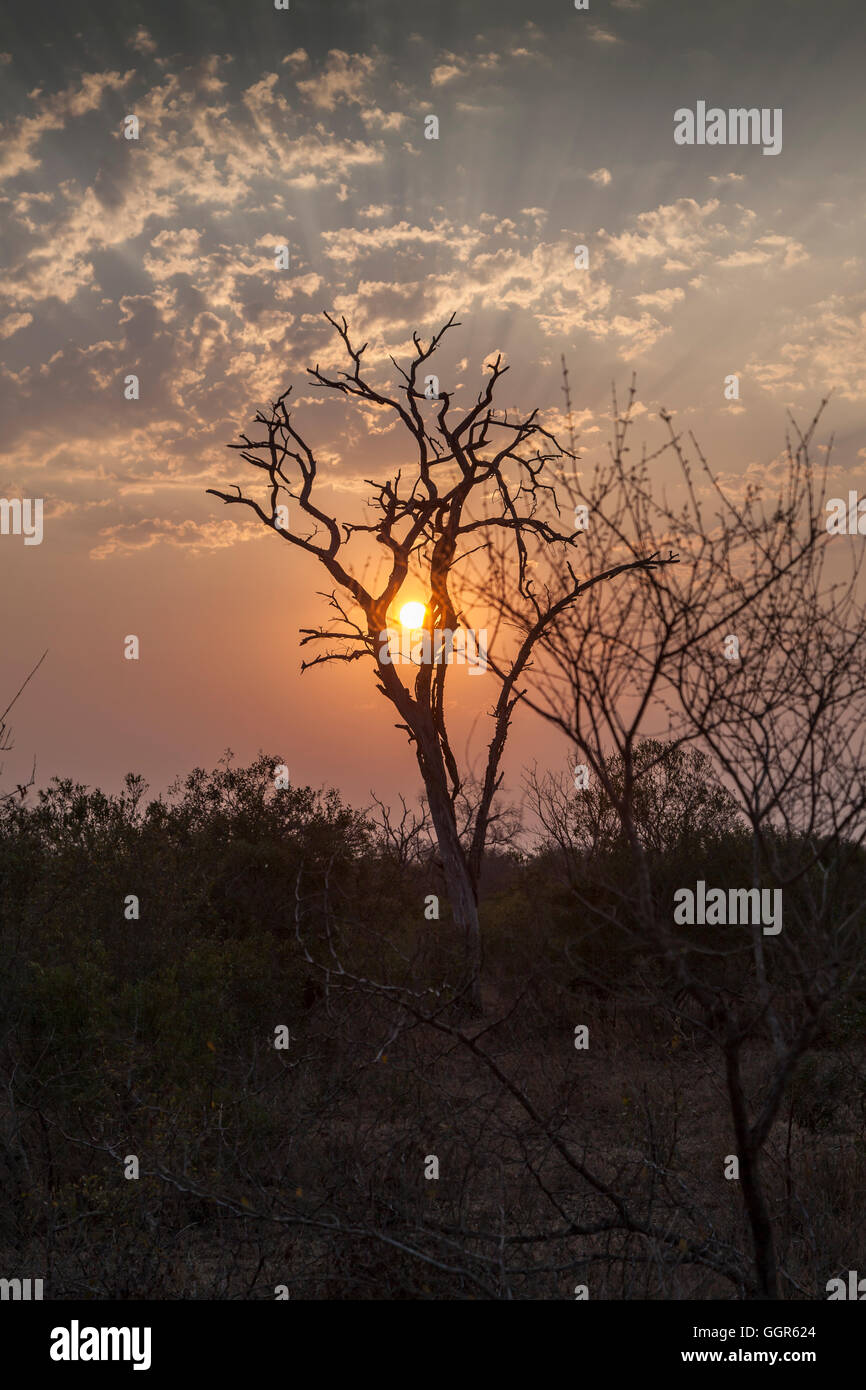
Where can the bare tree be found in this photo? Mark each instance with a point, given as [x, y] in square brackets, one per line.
[751, 650]
[6, 732]
[474, 473]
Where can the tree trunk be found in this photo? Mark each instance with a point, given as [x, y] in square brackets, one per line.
[460, 883]
[461, 890]
[752, 1189]
[761, 1224]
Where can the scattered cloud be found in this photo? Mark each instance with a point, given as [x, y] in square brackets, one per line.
[684, 227]
[661, 299]
[315, 154]
[142, 41]
[53, 113]
[765, 249]
[598, 34]
[345, 78]
[384, 120]
[147, 532]
[13, 322]
[446, 72]
[830, 342]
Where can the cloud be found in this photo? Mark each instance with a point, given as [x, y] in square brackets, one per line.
[661, 299]
[598, 34]
[345, 79]
[173, 252]
[473, 269]
[446, 72]
[58, 264]
[385, 120]
[18, 155]
[13, 322]
[766, 249]
[196, 151]
[142, 41]
[684, 227]
[147, 532]
[830, 341]
[453, 65]
[349, 244]
[227, 169]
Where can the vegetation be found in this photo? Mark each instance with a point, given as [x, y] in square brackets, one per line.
[305, 1167]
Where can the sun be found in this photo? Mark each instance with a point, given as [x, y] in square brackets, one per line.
[412, 615]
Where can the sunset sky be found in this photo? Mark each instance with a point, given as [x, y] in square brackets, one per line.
[261, 127]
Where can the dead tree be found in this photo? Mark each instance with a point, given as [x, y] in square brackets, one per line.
[474, 474]
[751, 652]
[6, 732]
[786, 724]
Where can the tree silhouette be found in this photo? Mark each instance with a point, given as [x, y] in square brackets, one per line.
[6, 732]
[780, 715]
[473, 474]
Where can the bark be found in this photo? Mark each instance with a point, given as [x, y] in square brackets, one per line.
[459, 879]
[752, 1187]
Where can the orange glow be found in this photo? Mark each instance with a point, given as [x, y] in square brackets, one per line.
[412, 615]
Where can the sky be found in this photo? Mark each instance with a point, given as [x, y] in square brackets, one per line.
[305, 127]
